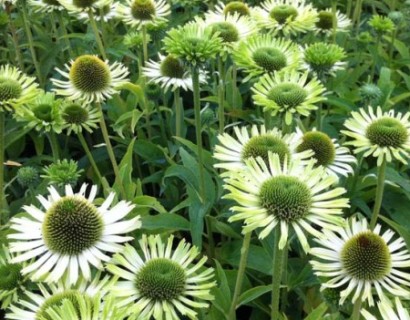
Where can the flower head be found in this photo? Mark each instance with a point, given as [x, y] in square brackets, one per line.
[323, 58]
[28, 176]
[76, 7]
[381, 24]
[327, 152]
[288, 195]
[141, 12]
[387, 311]
[79, 116]
[370, 94]
[104, 11]
[382, 134]
[262, 53]
[257, 142]
[193, 43]
[326, 19]
[90, 79]
[287, 16]
[16, 88]
[45, 5]
[233, 7]
[363, 260]
[288, 93]
[69, 234]
[171, 73]
[62, 173]
[163, 283]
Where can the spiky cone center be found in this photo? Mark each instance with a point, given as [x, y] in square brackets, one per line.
[322, 56]
[71, 226]
[83, 3]
[370, 91]
[10, 276]
[9, 89]
[43, 112]
[287, 95]
[161, 279]
[75, 114]
[90, 74]
[326, 20]
[143, 9]
[366, 256]
[52, 2]
[387, 132]
[27, 176]
[260, 146]
[321, 145]
[270, 59]
[172, 67]
[285, 197]
[56, 300]
[283, 12]
[227, 31]
[237, 7]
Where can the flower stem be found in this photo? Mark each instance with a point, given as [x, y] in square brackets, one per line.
[14, 36]
[356, 14]
[97, 34]
[319, 117]
[179, 116]
[334, 23]
[65, 34]
[144, 44]
[2, 197]
[110, 150]
[356, 309]
[240, 276]
[31, 41]
[221, 95]
[89, 155]
[277, 268]
[381, 173]
[234, 88]
[55, 148]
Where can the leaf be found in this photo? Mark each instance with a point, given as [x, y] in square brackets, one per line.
[222, 293]
[253, 294]
[125, 168]
[168, 221]
[318, 312]
[404, 233]
[149, 202]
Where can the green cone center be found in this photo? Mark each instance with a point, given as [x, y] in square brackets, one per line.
[43, 112]
[227, 31]
[10, 276]
[259, 146]
[9, 89]
[237, 7]
[161, 280]
[172, 67]
[75, 114]
[52, 2]
[283, 13]
[326, 20]
[287, 95]
[270, 59]
[285, 197]
[71, 226]
[83, 3]
[143, 9]
[366, 256]
[56, 300]
[387, 132]
[90, 74]
[321, 145]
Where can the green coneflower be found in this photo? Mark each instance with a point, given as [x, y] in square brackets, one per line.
[325, 21]
[37, 306]
[233, 7]
[163, 283]
[371, 94]
[286, 16]
[79, 116]
[28, 176]
[70, 234]
[105, 11]
[193, 43]
[387, 311]
[288, 94]
[362, 260]
[62, 173]
[16, 88]
[384, 135]
[42, 114]
[141, 12]
[326, 151]
[11, 280]
[285, 195]
[232, 152]
[45, 6]
[75, 7]
[262, 53]
[171, 73]
[90, 79]
[323, 58]
[381, 24]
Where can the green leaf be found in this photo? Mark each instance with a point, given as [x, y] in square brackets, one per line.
[253, 294]
[168, 221]
[125, 168]
[318, 312]
[222, 293]
[149, 202]
[404, 233]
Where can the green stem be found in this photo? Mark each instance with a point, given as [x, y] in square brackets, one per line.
[267, 119]
[211, 242]
[377, 54]
[348, 8]
[89, 155]
[65, 34]
[97, 34]
[31, 41]
[356, 309]
[391, 49]
[53, 24]
[55, 148]
[14, 37]
[110, 150]
[277, 268]
[234, 88]
[144, 43]
[179, 116]
[356, 14]
[284, 297]
[161, 122]
[221, 95]
[334, 24]
[2, 197]
[381, 173]
[319, 117]
[240, 276]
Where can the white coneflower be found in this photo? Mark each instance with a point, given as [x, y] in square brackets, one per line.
[233, 7]
[163, 283]
[326, 19]
[79, 116]
[46, 6]
[285, 195]
[384, 135]
[70, 234]
[387, 311]
[90, 79]
[140, 12]
[362, 260]
[76, 7]
[105, 11]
